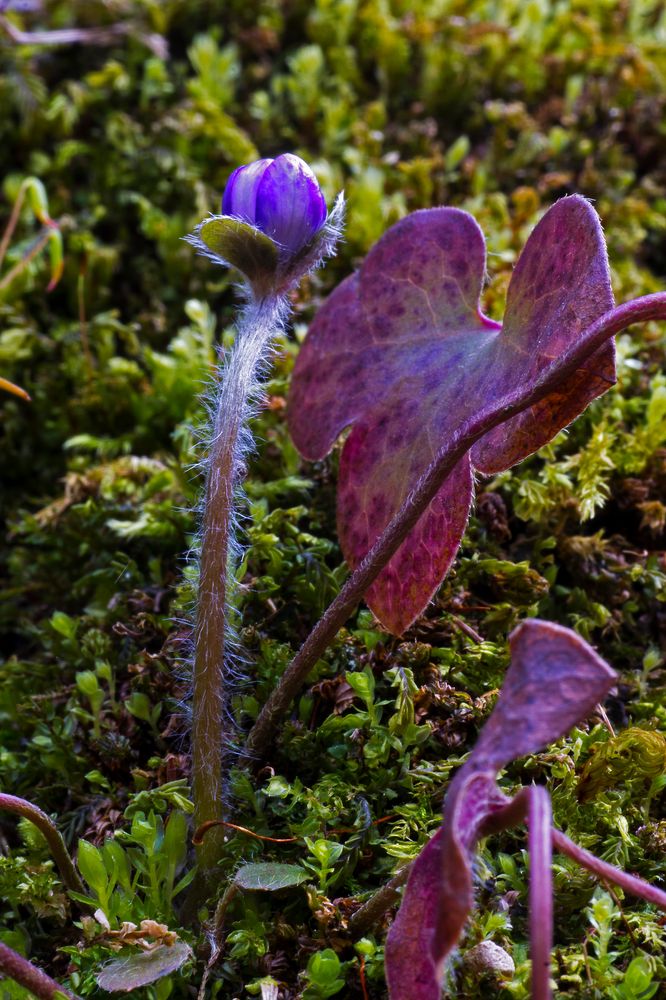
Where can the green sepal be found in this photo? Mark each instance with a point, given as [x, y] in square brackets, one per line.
[242, 246]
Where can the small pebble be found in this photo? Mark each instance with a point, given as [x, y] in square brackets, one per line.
[488, 957]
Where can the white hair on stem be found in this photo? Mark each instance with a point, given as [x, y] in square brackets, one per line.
[216, 653]
[216, 646]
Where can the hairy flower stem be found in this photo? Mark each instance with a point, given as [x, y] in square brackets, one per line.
[230, 439]
[52, 836]
[29, 976]
[649, 307]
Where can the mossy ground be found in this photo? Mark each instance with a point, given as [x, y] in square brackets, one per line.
[498, 108]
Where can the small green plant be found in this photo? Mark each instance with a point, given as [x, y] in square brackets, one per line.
[325, 855]
[323, 975]
[637, 982]
[134, 875]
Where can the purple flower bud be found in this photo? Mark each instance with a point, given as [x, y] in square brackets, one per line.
[281, 197]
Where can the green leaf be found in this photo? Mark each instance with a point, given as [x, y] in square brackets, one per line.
[91, 866]
[323, 969]
[638, 977]
[363, 684]
[175, 839]
[327, 852]
[126, 974]
[63, 624]
[118, 861]
[139, 706]
[37, 198]
[269, 877]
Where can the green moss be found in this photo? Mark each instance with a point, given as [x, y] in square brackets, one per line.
[498, 108]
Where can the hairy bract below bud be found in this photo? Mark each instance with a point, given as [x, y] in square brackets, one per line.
[274, 227]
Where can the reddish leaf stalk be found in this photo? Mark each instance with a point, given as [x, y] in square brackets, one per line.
[374, 908]
[541, 889]
[533, 805]
[609, 873]
[48, 829]
[649, 307]
[29, 976]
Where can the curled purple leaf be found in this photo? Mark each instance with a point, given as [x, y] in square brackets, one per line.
[540, 701]
[555, 680]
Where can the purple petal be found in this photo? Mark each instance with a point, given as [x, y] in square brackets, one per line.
[290, 207]
[240, 194]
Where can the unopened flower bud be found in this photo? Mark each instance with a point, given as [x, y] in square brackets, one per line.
[273, 227]
[281, 197]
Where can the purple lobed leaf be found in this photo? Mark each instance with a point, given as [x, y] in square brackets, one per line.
[554, 681]
[402, 352]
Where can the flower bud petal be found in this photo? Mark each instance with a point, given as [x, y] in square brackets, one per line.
[290, 207]
[240, 194]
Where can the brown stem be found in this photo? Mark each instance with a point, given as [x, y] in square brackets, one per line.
[86, 36]
[239, 386]
[47, 827]
[648, 307]
[28, 975]
[83, 322]
[11, 224]
[374, 908]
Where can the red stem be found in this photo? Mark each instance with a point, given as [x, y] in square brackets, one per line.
[532, 805]
[29, 255]
[44, 823]
[11, 224]
[609, 873]
[28, 975]
[649, 307]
